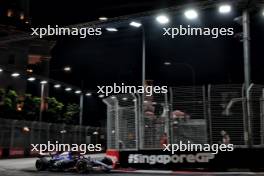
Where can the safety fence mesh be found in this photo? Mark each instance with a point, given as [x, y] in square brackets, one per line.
[153, 120]
[21, 134]
[227, 108]
[122, 121]
[188, 115]
[195, 114]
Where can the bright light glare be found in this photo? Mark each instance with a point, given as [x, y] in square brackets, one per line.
[125, 98]
[15, 75]
[43, 82]
[88, 94]
[135, 24]
[63, 131]
[101, 96]
[68, 89]
[111, 29]
[30, 70]
[78, 91]
[167, 63]
[263, 12]
[1, 70]
[31, 79]
[67, 69]
[57, 86]
[25, 129]
[103, 18]
[162, 19]
[191, 14]
[224, 8]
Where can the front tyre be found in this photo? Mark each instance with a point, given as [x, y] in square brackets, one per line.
[82, 167]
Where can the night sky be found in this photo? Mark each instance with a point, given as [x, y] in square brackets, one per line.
[116, 57]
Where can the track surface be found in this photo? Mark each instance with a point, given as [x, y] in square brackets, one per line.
[25, 167]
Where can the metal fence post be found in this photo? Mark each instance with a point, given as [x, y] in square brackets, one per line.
[209, 114]
[171, 109]
[117, 124]
[136, 121]
[108, 127]
[167, 118]
[81, 109]
[204, 109]
[42, 102]
[249, 127]
[140, 122]
[244, 108]
[262, 117]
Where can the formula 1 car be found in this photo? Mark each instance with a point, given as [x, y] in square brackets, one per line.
[67, 161]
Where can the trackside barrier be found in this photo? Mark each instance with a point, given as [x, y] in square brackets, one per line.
[16, 152]
[20, 134]
[240, 158]
[26, 152]
[33, 153]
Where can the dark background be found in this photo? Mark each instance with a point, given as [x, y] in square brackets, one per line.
[116, 57]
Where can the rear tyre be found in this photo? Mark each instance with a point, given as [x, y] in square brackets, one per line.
[41, 164]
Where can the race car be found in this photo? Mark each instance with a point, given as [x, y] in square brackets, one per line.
[67, 161]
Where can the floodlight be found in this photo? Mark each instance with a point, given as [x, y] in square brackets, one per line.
[191, 14]
[135, 24]
[225, 8]
[162, 19]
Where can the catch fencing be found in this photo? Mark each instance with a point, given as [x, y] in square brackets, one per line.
[18, 134]
[196, 114]
[122, 122]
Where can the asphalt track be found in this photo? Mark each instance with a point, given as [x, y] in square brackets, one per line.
[25, 167]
